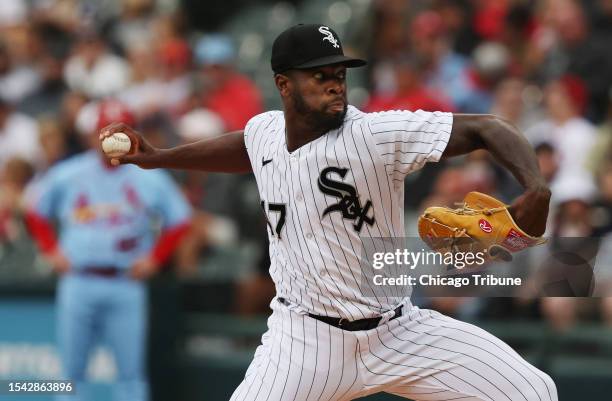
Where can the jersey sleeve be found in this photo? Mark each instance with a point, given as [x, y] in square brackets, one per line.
[407, 140]
[42, 202]
[248, 136]
[253, 134]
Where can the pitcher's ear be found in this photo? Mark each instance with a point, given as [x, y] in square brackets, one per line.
[283, 84]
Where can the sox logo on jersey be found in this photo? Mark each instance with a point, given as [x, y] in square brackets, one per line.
[348, 204]
[319, 200]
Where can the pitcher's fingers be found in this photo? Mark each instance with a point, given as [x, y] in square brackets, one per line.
[130, 158]
[114, 128]
[108, 130]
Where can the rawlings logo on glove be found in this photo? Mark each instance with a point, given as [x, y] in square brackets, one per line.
[485, 226]
[481, 224]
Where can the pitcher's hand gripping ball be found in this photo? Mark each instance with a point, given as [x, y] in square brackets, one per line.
[116, 145]
[481, 224]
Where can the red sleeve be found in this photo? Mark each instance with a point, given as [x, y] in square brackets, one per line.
[42, 231]
[168, 241]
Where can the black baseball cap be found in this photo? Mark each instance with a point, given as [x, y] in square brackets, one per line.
[307, 46]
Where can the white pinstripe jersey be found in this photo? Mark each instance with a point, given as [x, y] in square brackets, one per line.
[320, 199]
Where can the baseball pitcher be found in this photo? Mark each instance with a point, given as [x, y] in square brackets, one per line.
[327, 175]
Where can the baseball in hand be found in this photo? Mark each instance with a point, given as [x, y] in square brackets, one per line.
[116, 145]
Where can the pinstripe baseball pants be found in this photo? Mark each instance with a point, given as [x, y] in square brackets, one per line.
[422, 355]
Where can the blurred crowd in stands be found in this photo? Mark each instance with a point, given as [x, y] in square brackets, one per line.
[544, 65]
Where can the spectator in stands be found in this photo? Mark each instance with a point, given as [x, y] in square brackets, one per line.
[174, 57]
[518, 27]
[233, 96]
[144, 94]
[409, 92]
[564, 44]
[513, 100]
[47, 98]
[548, 161]
[93, 69]
[17, 80]
[132, 25]
[18, 136]
[490, 65]
[457, 18]
[14, 176]
[571, 135]
[161, 79]
[444, 70]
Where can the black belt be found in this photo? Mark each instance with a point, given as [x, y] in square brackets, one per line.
[102, 271]
[350, 325]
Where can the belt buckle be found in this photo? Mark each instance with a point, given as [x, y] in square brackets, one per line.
[341, 321]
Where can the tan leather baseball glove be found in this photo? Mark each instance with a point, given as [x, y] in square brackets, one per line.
[481, 224]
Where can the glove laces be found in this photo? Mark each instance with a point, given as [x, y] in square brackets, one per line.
[463, 208]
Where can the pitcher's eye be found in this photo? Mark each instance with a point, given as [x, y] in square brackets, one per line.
[318, 75]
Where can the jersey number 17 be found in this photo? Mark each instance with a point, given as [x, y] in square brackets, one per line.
[275, 208]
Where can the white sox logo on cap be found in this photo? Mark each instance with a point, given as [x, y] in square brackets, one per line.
[329, 36]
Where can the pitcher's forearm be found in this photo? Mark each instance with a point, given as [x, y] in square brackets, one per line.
[510, 148]
[223, 154]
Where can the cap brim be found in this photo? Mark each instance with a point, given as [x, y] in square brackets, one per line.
[349, 62]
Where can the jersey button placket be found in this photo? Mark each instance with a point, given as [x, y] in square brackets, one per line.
[298, 195]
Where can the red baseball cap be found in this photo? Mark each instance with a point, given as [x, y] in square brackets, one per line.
[113, 111]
